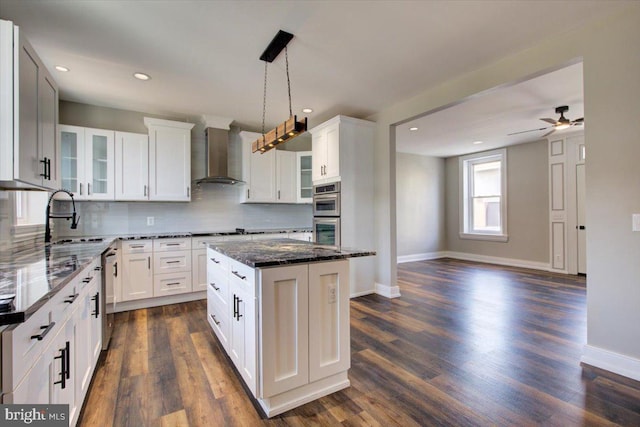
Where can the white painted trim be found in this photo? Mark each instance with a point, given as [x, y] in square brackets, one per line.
[512, 262]
[157, 301]
[150, 122]
[421, 257]
[611, 361]
[487, 237]
[362, 293]
[387, 291]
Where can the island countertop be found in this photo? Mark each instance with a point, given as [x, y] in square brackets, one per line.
[272, 252]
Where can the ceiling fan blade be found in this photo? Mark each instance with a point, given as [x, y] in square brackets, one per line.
[578, 121]
[524, 131]
[553, 122]
[549, 133]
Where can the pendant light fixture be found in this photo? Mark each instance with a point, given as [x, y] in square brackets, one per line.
[291, 127]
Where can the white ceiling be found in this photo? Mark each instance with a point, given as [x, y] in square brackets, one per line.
[490, 117]
[347, 57]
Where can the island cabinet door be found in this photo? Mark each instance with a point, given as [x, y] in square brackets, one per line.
[284, 329]
[329, 350]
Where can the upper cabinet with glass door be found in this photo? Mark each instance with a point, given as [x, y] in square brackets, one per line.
[87, 162]
[305, 184]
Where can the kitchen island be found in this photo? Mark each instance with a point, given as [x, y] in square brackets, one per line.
[280, 309]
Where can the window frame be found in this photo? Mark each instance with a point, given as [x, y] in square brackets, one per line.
[465, 163]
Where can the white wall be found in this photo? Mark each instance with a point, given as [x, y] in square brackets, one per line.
[608, 49]
[420, 205]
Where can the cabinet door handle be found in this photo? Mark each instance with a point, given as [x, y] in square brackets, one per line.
[98, 268]
[188, 192]
[46, 330]
[63, 376]
[115, 269]
[136, 246]
[49, 169]
[239, 275]
[173, 244]
[88, 188]
[278, 194]
[213, 316]
[215, 260]
[44, 168]
[80, 189]
[145, 191]
[213, 285]
[173, 283]
[86, 280]
[248, 194]
[96, 311]
[71, 299]
[67, 359]
[149, 263]
[172, 262]
[235, 306]
[239, 315]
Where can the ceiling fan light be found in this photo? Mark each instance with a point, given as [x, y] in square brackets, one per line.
[562, 125]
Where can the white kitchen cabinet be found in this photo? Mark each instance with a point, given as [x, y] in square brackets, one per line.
[136, 271]
[242, 336]
[87, 159]
[284, 308]
[35, 388]
[63, 374]
[28, 115]
[286, 191]
[199, 261]
[169, 160]
[325, 143]
[171, 266]
[271, 176]
[132, 166]
[304, 183]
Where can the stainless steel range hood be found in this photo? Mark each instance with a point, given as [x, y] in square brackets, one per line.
[217, 158]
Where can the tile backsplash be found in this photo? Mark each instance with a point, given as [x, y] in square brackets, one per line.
[213, 207]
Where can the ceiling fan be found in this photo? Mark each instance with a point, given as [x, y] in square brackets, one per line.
[561, 123]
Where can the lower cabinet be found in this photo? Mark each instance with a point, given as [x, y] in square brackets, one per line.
[285, 328]
[137, 276]
[62, 370]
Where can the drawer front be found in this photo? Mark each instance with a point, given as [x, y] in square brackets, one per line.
[201, 242]
[167, 262]
[219, 287]
[20, 350]
[242, 275]
[136, 246]
[218, 318]
[217, 262]
[171, 283]
[181, 244]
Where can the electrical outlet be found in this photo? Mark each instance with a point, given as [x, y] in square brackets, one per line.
[150, 220]
[332, 294]
[635, 222]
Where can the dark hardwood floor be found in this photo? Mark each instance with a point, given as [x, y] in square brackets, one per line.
[467, 344]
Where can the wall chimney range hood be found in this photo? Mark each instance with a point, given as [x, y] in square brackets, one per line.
[217, 142]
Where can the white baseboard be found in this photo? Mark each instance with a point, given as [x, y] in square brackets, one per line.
[511, 262]
[157, 301]
[362, 293]
[421, 257]
[610, 361]
[387, 291]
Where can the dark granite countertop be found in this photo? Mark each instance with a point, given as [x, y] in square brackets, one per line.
[29, 278]
[268, 253]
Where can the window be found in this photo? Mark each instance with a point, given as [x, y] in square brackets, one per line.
[483, 191]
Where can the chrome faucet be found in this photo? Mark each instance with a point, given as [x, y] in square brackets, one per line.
[68, 216]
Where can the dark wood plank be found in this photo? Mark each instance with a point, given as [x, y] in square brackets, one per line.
[466, 344]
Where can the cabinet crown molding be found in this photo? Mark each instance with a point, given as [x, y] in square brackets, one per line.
[342, 119]
[150, 122]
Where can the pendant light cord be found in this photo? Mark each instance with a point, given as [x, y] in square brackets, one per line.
[286, 57]
[264, 97]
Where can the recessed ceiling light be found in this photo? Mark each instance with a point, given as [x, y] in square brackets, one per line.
[478, 142]
[62, 68]
[142, 76]
[307, 110]
[413, 129]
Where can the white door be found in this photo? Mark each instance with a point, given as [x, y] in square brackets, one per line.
[582, 231]
[170, 164]
[262, 177]
[137, 280]
[332, 168]
[286, 176]
[98, 163]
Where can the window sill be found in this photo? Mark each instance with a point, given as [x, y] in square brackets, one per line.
[487, 237]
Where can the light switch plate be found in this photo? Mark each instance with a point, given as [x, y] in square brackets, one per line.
[635, 222]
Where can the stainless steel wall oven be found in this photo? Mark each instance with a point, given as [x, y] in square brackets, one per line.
[326, 214]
